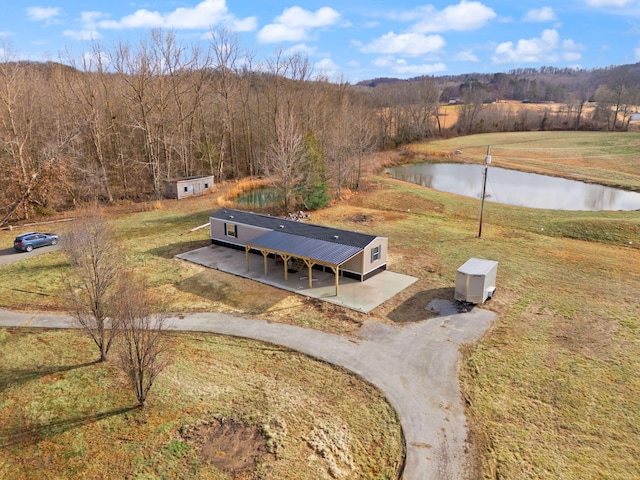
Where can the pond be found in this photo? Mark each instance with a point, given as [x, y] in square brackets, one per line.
[516, 188]
[259, 197]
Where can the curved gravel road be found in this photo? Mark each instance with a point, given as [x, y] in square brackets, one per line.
[415, 365]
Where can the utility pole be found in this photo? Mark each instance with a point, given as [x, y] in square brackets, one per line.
[487, 161]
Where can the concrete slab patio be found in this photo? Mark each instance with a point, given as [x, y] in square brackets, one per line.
[352, 293]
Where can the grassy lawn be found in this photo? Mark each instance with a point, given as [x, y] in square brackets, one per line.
[62, 416]
[552, 391]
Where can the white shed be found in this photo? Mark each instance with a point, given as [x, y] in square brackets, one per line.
[476, 280]
[188, 186]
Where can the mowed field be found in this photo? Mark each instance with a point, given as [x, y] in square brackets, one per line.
[552, 390]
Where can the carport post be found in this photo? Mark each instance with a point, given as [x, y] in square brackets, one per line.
[246, 254]
[310, 268]
[285, 260]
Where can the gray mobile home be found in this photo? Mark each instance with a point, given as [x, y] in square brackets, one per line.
[345, 252]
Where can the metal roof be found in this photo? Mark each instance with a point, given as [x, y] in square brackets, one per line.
[309, 230]
[319, 251]
[477, 266]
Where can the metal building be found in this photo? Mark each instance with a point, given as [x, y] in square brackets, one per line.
[188, 186]
[476, 280]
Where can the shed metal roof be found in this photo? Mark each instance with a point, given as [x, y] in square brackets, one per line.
[302, 229]
[319, 251]
[477, 266]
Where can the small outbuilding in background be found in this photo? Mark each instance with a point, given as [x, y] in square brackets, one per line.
[476, 280]
[188, 186]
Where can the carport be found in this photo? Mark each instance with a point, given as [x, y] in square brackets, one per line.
[312, 251]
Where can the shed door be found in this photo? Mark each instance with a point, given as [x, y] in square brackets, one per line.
[476, 285]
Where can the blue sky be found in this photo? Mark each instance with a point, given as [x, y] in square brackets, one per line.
[350, 40]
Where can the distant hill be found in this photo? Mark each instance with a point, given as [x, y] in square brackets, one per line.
[532, 84]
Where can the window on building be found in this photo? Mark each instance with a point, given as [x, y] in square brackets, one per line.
[375, 253]
[206, 185]
[186, 189]
[230, 230]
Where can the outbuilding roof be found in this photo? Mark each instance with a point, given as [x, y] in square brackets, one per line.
[301, 229]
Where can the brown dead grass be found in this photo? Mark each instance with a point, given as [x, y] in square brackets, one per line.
[224, 408]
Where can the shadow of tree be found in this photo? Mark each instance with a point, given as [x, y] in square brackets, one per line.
[31, 434]
[27, 291]
[415, 308]
[16, 376]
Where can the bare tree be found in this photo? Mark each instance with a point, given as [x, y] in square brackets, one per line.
[141, 350]
[26, 138]
[287, 156]
[473, 97]
[93, 252]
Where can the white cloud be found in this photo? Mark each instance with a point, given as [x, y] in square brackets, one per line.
[91, 17]
[384, 62]
[295, 24]
[466, 56]
[84, 35]
[277, 32]
[327, 67]
[424, 69]
[546, 48]
[405, 44]
[91, 61]
[46, 14]
[571, 50]
[464, 16]
[610, 3]
[544, 14]
[636, 52]
[204, 15]
[298, 17]
[301, 48]
[248, 24]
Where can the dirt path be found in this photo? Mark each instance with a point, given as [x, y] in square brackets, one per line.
[415, 365]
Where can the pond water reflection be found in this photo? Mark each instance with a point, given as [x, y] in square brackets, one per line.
[259, 197]
[517, 188]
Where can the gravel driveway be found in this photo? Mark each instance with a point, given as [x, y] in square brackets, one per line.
[415, 365]
[9, 255]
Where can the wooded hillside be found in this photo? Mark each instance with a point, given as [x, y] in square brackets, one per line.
[116, 124]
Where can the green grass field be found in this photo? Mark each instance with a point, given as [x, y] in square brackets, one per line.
[552, 391]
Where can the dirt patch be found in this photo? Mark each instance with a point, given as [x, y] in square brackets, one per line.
[314, 313]
[360, 218]
[231, 445]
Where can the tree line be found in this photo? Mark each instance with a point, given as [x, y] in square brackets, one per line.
[116, 123]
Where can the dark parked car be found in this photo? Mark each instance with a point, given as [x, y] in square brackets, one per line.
[28, 241]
